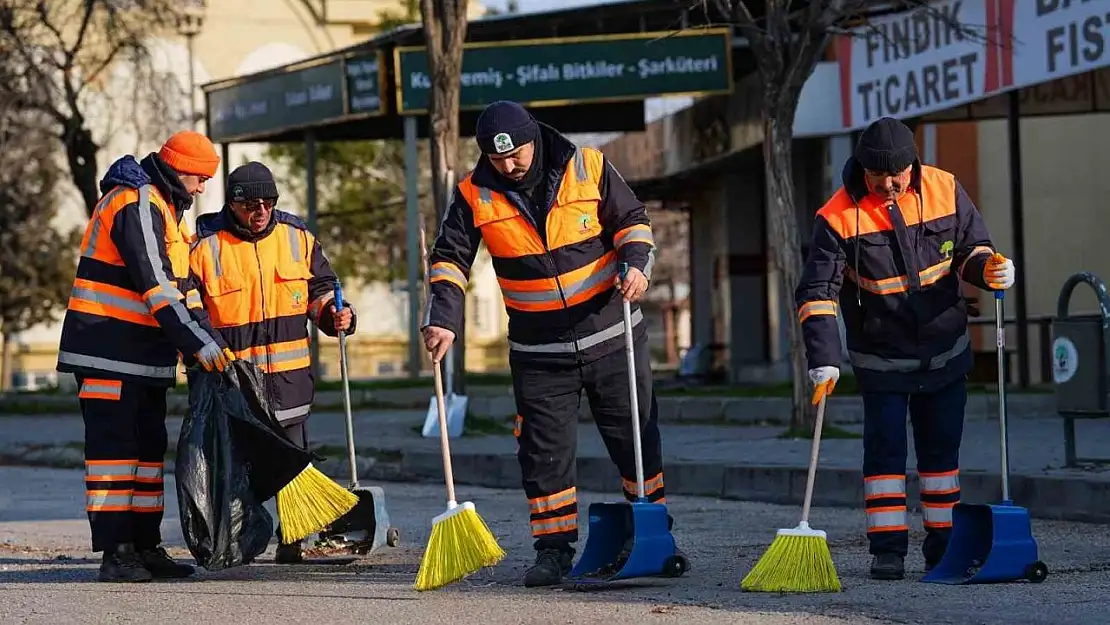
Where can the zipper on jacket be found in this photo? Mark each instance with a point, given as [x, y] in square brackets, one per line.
[265, 334]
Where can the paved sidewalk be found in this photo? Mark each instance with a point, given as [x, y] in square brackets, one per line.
[733, 462]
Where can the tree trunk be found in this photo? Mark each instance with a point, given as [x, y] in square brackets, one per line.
[81, 155]
[6, 363]
[786, 248]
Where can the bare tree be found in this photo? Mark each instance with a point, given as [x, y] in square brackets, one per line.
[65, 55]
[788, 38]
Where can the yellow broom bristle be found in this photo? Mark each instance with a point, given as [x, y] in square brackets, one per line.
[461, 543]
[797, 561]
[309, 503]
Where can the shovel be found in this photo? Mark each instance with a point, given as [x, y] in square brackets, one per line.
[991, 542]
[646, 525]
[366, 527]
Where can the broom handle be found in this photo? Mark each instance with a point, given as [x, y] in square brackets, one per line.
[817, 427]
[630, 350]
[441, 408]
[1000, 331]
[351, 459]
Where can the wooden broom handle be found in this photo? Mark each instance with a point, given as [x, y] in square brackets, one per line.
[814, 450]
[441, 408]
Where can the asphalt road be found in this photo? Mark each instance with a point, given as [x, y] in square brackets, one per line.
[46, 574]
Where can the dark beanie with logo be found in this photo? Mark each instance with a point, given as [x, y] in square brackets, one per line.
[253, 181]
[505, 126]
[887, 145]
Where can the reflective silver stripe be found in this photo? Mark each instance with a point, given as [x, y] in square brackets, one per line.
[104, 389]
[485, 196]
[316, 307]
[102, 499]
[586, 342]
[107, 299]
[579, 165]
[886, 518]
[292, 413]
[934, 514]
[283, 356]
[939, 484]
[145, 501]
[149, 473]
[561, 524]
[90, 248]
[906, 365]
[192, 298]
[639, 235]
[650, 262]
[118, 472]
[153, 257]
[563, 500]
[213, 242]
[294, 243]
[884, 487]
[447, 271]
[117, 366]
[161, 298]
[606, 274]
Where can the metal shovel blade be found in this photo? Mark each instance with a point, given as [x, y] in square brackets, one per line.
[456, 416]
[989, 543]
[366, 527]
[626, 540]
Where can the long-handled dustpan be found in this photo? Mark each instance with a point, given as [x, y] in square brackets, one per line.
[366, 527]
[607, 555]
[991, 542]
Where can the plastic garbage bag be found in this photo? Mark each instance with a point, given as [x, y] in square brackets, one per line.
[231, 457]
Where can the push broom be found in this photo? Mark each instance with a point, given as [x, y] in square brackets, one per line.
[798, 560]
[461, 543]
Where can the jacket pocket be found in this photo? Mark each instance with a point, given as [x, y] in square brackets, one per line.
[291, 288]
[227, 303]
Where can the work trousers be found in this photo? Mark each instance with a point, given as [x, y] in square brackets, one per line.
[548, 398]
[125, 446]
[937, 419]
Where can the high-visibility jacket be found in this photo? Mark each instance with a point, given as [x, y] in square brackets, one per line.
[904, 315]
[260, 290]
[127, 317]
[556, 280]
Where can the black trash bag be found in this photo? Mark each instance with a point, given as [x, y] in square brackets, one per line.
[231, 457]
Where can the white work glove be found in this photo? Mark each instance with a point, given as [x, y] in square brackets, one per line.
[212, 357]
[824, 380]
[999, 272]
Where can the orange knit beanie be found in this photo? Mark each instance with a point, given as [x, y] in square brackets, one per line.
[190, 152]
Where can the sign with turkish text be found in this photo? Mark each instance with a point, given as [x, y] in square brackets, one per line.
[576, 70]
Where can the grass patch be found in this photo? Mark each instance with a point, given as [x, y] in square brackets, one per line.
[476, 425]
[829, 432]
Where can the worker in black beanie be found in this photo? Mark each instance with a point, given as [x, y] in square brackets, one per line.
[261, 276]
[559, 222]
[904, 235]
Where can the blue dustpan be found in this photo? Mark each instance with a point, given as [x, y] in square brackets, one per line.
[991, 543]
[634, 539]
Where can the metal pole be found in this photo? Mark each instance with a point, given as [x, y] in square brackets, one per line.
[412, 236]
[193, 119]
[1000, 341]
[310, 193]
[225, 160]
[1017, 217]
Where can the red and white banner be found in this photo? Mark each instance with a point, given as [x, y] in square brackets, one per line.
[924, 61]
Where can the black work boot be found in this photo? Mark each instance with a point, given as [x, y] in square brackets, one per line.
[162, 566]
[289, 554]
[122, 564]
[550, 568]
[888, 566]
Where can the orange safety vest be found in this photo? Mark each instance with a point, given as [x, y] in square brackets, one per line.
[257, 297]
[110, 326]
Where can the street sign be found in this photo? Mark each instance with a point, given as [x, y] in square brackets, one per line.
[365, 84]
[552, 72]
[278, 102]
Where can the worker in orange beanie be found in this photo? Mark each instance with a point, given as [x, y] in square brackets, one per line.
[126, 321]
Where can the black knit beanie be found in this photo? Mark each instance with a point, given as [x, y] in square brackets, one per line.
[886, 146]
[503, 127]
[252, 181]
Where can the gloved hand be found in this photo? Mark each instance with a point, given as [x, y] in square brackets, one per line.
[999, 272]
[824, 381]
[212, 357]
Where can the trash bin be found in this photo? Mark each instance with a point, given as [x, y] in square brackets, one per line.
[1079, 367]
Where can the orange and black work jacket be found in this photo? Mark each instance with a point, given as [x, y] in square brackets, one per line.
[127, 316]
[904, 316]
[260, 289]
[556, 279]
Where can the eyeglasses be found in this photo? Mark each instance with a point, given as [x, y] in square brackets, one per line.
[254, 206]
